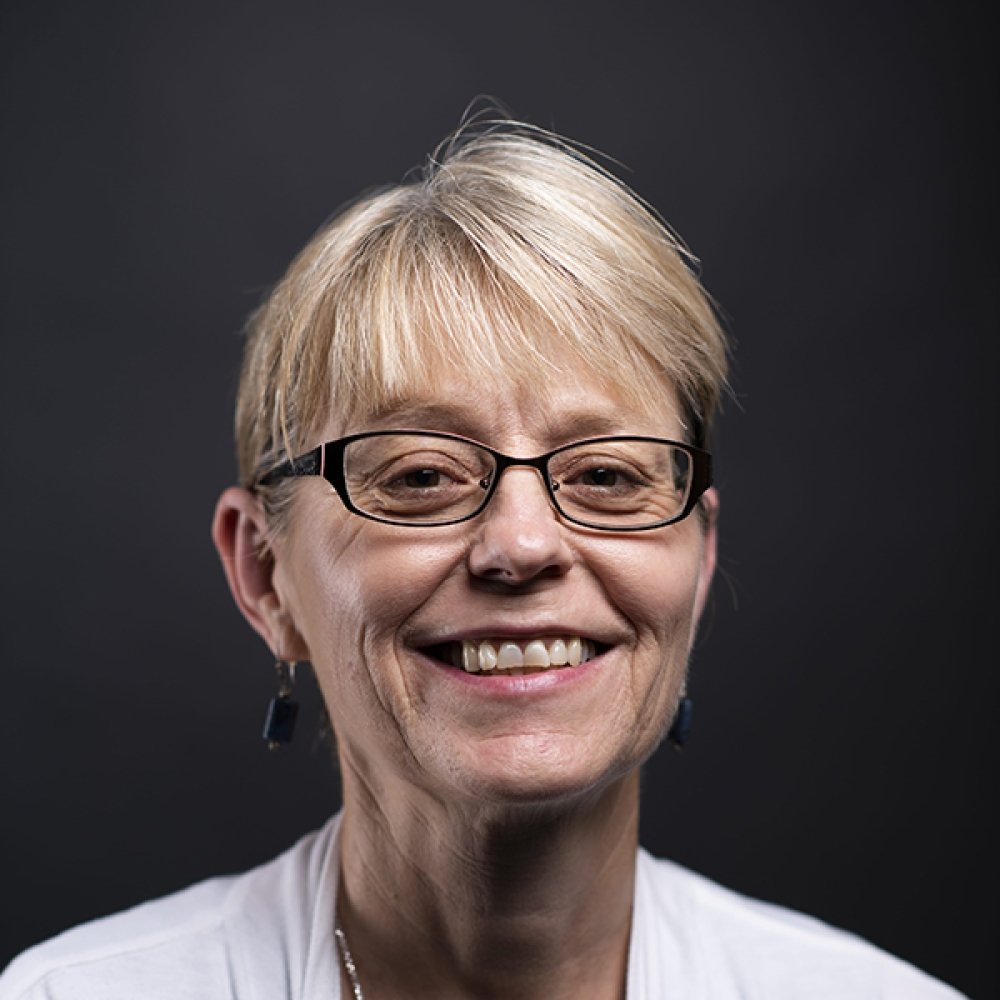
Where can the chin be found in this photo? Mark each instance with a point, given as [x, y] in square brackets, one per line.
[526, 771]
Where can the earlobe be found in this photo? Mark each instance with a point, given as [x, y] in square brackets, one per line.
[239, 530]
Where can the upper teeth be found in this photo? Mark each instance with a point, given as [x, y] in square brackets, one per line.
[521, 657]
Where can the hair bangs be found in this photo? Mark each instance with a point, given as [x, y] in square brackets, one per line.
[430, 298]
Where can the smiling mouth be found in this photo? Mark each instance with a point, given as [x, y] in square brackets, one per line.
[493, 657]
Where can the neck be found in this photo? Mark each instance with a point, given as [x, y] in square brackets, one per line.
[439, 901]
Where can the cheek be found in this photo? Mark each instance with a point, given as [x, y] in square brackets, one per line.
[654, 583]
[655, 586]
[352, 592]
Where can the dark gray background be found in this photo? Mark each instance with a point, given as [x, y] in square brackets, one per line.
[834, 167]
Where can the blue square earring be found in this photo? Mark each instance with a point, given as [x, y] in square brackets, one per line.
[680, 728]
[279, 724]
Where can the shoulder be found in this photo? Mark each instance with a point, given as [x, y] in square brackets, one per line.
[174, 940]
[201, 941]
[737, 946]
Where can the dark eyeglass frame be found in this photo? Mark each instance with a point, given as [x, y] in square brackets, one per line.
[327, 460]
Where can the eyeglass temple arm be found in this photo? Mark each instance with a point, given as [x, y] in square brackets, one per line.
[702, 475]
[309, 464]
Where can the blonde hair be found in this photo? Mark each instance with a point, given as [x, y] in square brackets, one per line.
[510, 252]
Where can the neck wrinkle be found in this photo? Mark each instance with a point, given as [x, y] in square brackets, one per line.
[528, 901]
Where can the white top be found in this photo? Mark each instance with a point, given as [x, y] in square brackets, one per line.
[268, 935]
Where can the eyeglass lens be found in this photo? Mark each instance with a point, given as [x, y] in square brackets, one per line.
[624, 482]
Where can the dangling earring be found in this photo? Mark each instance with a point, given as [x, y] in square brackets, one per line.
[680, 729]
[281, 710]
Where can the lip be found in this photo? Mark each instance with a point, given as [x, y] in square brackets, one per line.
[606, 635]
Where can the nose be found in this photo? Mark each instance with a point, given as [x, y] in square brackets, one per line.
[520, 536]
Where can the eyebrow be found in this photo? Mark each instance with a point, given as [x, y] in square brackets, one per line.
[436, 414]
[468, 421]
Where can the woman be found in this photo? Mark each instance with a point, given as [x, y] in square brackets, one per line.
[476, 499]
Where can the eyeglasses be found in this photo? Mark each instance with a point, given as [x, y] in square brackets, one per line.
[429, 479]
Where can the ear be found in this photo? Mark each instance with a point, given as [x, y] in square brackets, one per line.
[709, 514]
[239, 530]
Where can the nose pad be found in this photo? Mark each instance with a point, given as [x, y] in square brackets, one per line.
[521, 535]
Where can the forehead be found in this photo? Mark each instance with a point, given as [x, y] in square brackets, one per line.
[547, 410]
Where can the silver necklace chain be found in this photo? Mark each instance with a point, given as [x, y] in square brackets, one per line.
[348, 959]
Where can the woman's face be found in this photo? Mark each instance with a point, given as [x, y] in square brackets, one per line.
[383, 611]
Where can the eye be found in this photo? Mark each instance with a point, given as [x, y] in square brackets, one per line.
[428, 483]
[603, 476]
[422, 479]
[415, 477]
[592, 480]
[420, 476]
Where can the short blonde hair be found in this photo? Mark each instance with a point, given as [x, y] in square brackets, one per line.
[510, 252]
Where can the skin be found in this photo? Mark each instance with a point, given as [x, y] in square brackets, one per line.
[490, 825]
